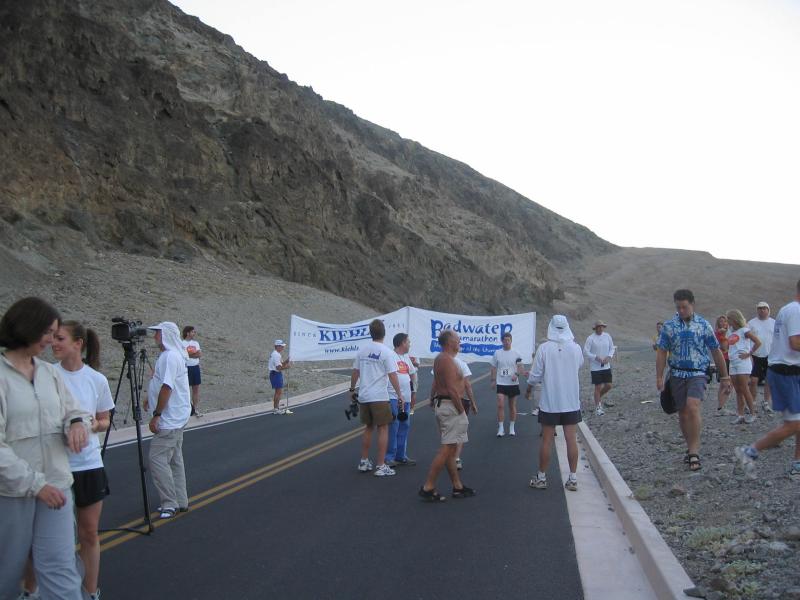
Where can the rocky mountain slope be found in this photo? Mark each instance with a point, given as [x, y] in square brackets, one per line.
[146, 131]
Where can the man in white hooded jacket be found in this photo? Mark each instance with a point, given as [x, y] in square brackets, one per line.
[170, 400]
[556, 366]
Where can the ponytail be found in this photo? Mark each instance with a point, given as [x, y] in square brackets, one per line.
[91, 342]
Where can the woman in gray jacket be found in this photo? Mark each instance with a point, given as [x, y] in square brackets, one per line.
[39, 421]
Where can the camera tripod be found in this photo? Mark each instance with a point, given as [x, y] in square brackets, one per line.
[133, 369]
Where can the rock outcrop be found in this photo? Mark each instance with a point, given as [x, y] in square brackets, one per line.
[145, 130]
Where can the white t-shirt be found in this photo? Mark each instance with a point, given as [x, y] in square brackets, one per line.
[763, 330]
[195, 346]
[556, 366]
[505, 361]
[170, 370]
[463, 367]
[91, 390]
[598, 345]
[737, 342]
[275, 360]
[787, 324]
[405, 369]
[374, 363]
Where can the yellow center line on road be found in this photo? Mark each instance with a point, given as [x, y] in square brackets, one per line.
[224, 489]
[239, 483]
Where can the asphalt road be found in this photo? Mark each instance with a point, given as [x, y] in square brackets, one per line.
[280, 511]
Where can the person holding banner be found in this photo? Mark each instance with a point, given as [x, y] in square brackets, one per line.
[376, 368]
[506, 369]
[276, 368]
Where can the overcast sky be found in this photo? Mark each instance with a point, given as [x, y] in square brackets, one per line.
[669, 124]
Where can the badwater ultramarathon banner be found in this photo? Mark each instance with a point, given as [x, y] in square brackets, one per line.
[480, 335]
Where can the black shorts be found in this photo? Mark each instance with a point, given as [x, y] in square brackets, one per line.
[603, 376]
[553, 419]
[508, 390]
[759, 367]
[89, 486]
[194, 374]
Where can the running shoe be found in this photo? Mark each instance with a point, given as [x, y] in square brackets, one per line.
[766, 408]
[599, 411]
[571, 485]
[746, 461]
[738, 421]
[365, 465]
[539, 484]
[459, 464]
[384, 471]
[26, 595]
[609, 403]
[750, 419]
[535, 412]
[795, 470]
[406, 462]
[287, 412]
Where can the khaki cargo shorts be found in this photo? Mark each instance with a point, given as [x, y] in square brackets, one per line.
[452, 425]
[376, 413]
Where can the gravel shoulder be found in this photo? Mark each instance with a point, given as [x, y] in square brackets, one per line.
[736, 537]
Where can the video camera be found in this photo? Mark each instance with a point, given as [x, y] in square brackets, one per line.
[125, 331]
[352, 411]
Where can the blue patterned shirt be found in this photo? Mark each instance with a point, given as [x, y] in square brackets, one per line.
[689, 345]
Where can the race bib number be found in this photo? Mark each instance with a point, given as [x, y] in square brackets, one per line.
[506, 372]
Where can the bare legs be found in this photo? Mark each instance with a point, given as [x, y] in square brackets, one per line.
[743, 394]
[446, 457]
[691, 422]
[600, 390]
[276, 398]
[546, 446]
[383, 442]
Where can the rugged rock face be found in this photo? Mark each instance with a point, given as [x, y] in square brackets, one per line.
[145, 130]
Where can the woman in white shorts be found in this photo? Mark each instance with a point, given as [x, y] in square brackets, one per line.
[741, 344]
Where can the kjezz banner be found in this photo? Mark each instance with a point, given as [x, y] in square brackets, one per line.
[480, 336]
[311, 340]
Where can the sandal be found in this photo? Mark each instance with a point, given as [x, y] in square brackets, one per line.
[167, 513]
[694, 462]
[464, 492]
[430, 495]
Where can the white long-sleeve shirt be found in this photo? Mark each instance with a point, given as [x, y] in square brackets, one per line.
[556, 367]
[598, 346]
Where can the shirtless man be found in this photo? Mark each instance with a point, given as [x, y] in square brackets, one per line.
[446, 394]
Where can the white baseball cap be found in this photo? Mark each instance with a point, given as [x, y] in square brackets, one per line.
[762, 304]
[279, 343]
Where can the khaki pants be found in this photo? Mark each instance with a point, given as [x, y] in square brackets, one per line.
[166, 466]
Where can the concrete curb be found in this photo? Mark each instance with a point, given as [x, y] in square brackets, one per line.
[122, 436]
[666, 575]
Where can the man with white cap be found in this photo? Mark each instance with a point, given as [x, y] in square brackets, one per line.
[169, 398]
[276, 368]
[763, 327]
[556, 366]
[599, 349]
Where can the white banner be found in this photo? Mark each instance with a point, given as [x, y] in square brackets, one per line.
[480, 335]
[311, 340]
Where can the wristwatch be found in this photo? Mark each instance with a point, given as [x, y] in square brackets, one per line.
[156, 413]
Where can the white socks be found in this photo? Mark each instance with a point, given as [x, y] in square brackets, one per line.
[541, 475]
[511, 428]
[500, 429]
[573, 477]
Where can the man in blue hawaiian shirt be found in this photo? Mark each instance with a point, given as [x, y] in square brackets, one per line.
[688, 339]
